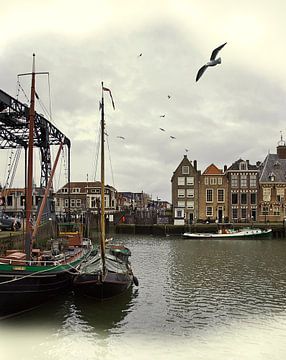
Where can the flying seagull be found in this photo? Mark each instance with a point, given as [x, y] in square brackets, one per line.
[213, 61]
[121, 137]
[140, 55]
[172, 137]
[162, 129]
[162, 115]
[169, 96]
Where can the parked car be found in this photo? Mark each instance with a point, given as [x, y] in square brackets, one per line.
[8, 222]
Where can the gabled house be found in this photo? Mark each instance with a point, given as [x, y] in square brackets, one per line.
[185, 192]
[243, 191]
[84, 196]
[213, 200]
[273, 186]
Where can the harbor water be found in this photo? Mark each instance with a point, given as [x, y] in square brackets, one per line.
[197, 299]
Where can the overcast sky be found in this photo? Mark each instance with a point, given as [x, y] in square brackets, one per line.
[237, 109]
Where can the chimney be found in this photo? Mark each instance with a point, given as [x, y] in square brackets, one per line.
[281, 151]
[195, 165]
[224, 168]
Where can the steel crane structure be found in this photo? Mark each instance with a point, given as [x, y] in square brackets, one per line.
[14, 133]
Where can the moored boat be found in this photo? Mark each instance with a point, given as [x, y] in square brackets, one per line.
[231, 233]
[30, 276]
[108, 272]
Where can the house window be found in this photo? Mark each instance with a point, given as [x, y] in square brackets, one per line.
[181, 204]
[243, 213]
[75, 190]
[209, 211]
[78, 202]
[242, 166]
[234, 198]
[181, 193]
[253, 198]
[209, 195]
[265, 210]
[243, 180]
[190, 204]
[181, 181]
[72, 202]
[266, 194]
[279, 194]
[190, 193]
[243, 198]
[206, 180]
[185, 170]
[234, 181]
[212, 181]
[179, 213]
[219, 181]
[220, 195]
[252, 180]
[234, 213]
[190, 180]
[276, 210]
[66, 203]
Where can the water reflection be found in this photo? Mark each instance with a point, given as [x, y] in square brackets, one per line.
[101, 316]
[196, 299]
[214, 283]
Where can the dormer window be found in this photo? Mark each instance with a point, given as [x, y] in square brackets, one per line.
[243, 166]
[271, 177]
[277, 164]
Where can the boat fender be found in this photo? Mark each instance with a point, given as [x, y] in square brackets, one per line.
[135, 281]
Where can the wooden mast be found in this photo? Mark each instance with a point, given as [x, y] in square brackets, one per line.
[102, 238]
[29, 194]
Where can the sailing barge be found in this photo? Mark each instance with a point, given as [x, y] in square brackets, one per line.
[29, 276]
[108, 273]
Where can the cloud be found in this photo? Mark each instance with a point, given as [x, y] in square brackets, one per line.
[235, 110]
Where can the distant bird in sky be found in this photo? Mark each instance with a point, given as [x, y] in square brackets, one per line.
[140, 54]
[172, 137]
[162, 115]
[121, 137]
[169, 96]
[186, 150]
[162, 129]
[213, 61]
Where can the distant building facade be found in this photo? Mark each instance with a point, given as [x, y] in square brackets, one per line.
[273, 186]
[185, 192]
[84, 196]
[213, 195]
[243, 180]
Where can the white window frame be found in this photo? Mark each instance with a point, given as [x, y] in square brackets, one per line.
[181, 193]
[243, 180]
[209, 211]
[266, 193]
[190, 180]
[190, 204]
[181, 181]
[252, 180]
[209, 191]
[220, 191]
[185, 169]
[190, 193]
[213, 181]
[234, 180]
[181, 204]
